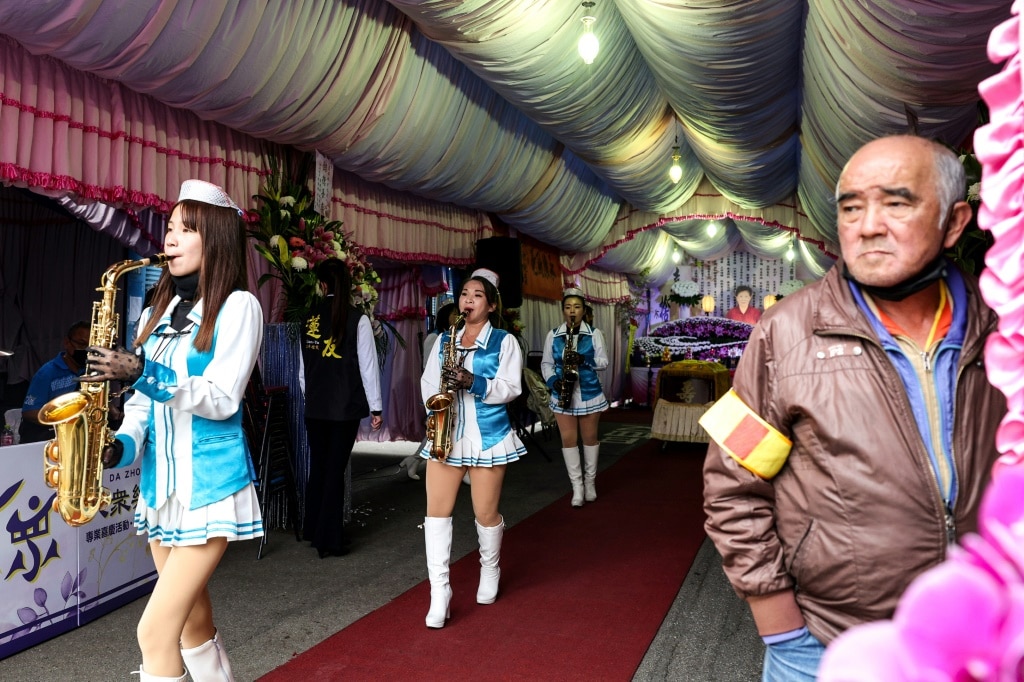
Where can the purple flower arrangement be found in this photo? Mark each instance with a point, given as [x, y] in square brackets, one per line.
[705, 329]
[713, 339]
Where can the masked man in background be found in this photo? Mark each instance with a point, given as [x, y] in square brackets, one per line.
[56, 377]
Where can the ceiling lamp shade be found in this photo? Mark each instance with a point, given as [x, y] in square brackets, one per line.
[769, 301]
[675, 172]
[588, 44]
[707, 304]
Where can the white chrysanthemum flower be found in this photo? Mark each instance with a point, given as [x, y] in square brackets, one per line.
[686, 287]
[299, 263]
[974, 192]
[341, 254]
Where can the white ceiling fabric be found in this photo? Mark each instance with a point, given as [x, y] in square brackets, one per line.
[486, 105]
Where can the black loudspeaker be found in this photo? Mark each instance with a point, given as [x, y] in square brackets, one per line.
[505, 257]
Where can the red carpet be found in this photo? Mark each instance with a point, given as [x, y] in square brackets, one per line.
[583, 591]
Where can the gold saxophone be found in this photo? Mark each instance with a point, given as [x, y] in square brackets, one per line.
[570, 370]
[73, 462]
[442, 405]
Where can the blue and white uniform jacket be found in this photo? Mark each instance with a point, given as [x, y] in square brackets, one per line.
[482, 434]
[593, 357]
[185, 418]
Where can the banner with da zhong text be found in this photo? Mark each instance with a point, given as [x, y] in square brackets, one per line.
[55, 577]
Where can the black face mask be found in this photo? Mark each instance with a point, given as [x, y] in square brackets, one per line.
[80, 357]
[931, 273]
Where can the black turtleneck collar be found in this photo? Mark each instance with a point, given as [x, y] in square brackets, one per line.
[931, 273]
[186, 285]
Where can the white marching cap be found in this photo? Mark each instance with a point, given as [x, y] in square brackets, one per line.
[490, 275]
[208, 193]
[573, 291]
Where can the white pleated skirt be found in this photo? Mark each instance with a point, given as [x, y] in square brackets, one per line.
[236, 517]
[578, 406]
[467, 453]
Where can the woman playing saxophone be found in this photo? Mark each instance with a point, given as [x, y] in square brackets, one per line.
[199, 342]
[483, 374]
[573, 353]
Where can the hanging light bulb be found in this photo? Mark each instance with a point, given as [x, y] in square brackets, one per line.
[790, 252]
[677, 256]
[675, 173]
[712, 229]
[588, 44]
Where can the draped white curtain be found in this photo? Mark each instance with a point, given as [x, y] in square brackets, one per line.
[484, 103]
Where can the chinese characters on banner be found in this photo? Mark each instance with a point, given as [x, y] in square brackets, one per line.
[324, 186]
[54, 577]
[720, 278]
[542, 273]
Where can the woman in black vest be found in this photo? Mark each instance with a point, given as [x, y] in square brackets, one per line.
[341, 382]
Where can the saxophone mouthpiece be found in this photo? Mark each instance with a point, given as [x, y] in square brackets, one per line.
[159, 260]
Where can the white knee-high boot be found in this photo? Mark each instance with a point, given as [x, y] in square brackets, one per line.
[490, 553]
[437, 534]
[146, 677]
[208, 662]
[572, 465]
[590, 471]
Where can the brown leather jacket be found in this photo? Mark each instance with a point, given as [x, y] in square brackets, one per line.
[855, 513]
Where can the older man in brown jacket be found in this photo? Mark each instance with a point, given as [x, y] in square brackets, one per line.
[860, 433]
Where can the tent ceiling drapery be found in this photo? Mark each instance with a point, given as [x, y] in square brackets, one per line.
[485, 103]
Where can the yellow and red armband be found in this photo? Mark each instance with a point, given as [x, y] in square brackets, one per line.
[745, 436]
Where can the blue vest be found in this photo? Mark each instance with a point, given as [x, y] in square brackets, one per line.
[590, 385]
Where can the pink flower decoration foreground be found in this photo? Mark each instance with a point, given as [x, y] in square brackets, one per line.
[964, 619]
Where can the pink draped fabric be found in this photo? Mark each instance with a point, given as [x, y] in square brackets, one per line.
[402, 298]
[405, 228]
[106, 143]
[70, 134]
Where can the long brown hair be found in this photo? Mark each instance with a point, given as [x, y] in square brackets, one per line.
[334, 273]
[223, 269]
